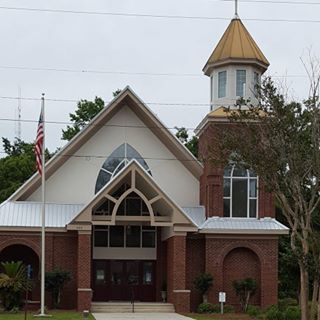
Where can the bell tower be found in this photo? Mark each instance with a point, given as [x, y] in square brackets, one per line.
[235, 66]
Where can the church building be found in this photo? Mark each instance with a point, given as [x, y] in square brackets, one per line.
[130, 212]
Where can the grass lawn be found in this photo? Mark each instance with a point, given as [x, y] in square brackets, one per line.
[228, 316]
[56, 315]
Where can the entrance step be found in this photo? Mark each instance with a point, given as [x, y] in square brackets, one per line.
[126, 307]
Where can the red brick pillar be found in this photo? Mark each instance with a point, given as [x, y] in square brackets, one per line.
[176, 273]
[269, 275]
[84, 271]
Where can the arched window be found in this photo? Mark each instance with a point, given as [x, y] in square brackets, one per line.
[118, 159]
[240, 196]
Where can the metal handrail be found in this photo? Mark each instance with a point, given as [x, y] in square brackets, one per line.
[132, 299]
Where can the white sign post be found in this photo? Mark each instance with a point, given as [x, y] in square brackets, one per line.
[222, 300]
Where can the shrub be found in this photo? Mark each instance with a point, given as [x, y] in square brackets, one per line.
[273, 313]
[253, 311]
[287, 302]
[13, 284]
[245, 289]
[55, 281]
[206, 307]
[203, 282]
[228, 309]
[292, 313]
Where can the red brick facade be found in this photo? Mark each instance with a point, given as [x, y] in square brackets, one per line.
[180, 260]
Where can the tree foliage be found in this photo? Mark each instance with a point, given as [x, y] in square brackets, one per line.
[86, 111]
[17, 167]
[245, 289]
[13, 283]
[203, 282]
[190, 143]
[54, 282]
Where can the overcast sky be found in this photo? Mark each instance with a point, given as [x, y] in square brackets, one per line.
[136, 45]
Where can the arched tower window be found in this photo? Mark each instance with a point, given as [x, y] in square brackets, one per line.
[118, 159]
[240, 194]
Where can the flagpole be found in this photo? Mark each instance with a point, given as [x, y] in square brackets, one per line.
[43, 215]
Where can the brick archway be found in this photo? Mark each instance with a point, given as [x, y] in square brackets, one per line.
[20, 241]
[242, 244]
[240, 263]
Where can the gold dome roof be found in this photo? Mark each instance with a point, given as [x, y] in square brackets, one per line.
[236, 46]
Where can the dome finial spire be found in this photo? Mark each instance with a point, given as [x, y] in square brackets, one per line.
[236, 16]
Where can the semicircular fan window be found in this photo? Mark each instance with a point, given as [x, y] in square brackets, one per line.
[118, 159]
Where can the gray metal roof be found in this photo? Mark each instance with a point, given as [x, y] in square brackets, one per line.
[196, 214]
[243, 226]
[28, 214]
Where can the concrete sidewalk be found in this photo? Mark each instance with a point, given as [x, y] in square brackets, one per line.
[140, 316]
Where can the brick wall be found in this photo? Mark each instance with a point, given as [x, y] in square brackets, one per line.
[60, 253]
[84, 272]
[229, 258]
[178, 294]
[195, 266]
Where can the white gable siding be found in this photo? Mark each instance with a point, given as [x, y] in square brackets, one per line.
[74, 181]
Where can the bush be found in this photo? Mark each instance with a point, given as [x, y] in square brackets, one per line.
[54, 282]
[245, 288]
[292, 313]
[253, 311]
[228, 309]
[287, 302]
[273, 313]
[203, 282]
[206, 307]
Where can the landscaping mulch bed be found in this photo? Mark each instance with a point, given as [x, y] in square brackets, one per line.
[227, 316]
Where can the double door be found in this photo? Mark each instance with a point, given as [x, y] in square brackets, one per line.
[123, 280]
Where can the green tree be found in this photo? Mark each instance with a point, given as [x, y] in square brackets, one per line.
[245, 289]
[279, 140]
[203, 282]
[54, 282]
[17, 167]
[86, 111]
[13, 283]
[190, 143]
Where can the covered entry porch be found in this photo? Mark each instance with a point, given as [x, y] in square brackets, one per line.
[138, 241]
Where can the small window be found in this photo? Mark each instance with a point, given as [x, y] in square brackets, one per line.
[147, 272]
[101, 236]
[133, 236]
[256, 82]
[240, 83]
[117, 236]
[222, 84]
[148, 237]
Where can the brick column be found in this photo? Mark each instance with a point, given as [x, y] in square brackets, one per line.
[269, 276]
[176, 273]
[84, 271]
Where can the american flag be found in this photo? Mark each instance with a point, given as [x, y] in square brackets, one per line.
[39, 143]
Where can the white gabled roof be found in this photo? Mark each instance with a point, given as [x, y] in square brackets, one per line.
[243, 226]
[129, 98]
[22, 214]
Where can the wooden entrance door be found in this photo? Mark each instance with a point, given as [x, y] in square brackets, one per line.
[121, 280]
